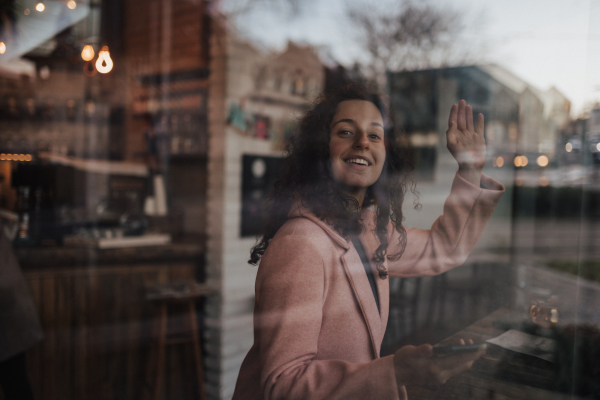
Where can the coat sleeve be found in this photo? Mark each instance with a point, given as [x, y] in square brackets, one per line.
[290, 292]
[452, 236]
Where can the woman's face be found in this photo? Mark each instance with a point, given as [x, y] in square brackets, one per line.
[356, 147]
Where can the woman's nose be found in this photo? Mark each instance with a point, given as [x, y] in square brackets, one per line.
[361, 140]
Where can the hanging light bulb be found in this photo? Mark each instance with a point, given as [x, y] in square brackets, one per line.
[40, 6]
[72, 4]
[2, 48]
[104, 64]
[87, 53]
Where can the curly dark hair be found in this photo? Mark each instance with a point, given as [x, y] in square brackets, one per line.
[306, 176]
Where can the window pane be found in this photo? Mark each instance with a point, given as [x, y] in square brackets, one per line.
[149, 149]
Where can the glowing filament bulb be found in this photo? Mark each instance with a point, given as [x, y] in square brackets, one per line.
[104, 64]
[71, 4]
[2, 48]
[87, 53]
[40, 6]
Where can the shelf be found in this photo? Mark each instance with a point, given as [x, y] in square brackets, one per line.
[188, 158]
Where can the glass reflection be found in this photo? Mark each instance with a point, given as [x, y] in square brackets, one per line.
[150, 165]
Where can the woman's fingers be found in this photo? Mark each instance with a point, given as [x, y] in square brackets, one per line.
[417, 366]
[424, 350]
[465, 141]
[462, 115]
[480, 124]
[462, 118]
[453, 115]
[448, 366]
[469, 116]
[458, 360]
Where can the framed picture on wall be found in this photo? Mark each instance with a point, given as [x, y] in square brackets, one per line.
[259, 174]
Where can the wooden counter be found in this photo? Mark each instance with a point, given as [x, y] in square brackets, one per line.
[97, 323]
[33, 258]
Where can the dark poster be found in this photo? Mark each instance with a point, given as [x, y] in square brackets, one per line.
[259, 174]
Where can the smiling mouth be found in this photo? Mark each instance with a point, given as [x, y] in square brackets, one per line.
[358, 161]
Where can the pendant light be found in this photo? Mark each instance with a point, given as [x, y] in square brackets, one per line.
[104, 63]
[87, 53]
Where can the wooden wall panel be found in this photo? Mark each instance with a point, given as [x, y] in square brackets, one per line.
[98, 334]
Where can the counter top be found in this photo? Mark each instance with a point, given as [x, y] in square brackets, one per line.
[31, 258]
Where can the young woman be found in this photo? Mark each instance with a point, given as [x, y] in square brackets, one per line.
[334, 234]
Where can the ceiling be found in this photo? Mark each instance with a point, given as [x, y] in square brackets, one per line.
[37, 28]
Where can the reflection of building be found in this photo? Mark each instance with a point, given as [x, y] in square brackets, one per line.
[593, 136]
[541, 113]
[254, 98]
[273, 89]
[570, 142]
[580, 141]
[519, 117]
[519, 120]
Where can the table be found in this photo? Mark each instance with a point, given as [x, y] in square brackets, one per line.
[183, 293]
[480, 382]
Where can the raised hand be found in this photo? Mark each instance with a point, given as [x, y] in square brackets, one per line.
[466, 142]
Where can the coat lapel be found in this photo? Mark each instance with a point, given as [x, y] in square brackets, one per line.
[357, 277]
[370, 243]
[359, 282]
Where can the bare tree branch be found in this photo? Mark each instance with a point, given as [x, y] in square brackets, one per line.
[236, 8]
[408, 35]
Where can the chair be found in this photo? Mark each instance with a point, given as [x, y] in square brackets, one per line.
[183, 294]
[404, 301]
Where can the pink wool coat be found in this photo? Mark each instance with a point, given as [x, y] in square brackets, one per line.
[317, 330]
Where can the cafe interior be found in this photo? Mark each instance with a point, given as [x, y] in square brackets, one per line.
[138, 142]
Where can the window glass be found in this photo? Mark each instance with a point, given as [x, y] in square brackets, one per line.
[146, 147]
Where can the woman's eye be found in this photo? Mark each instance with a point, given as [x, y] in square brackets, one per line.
[374, 136]
[345, 133]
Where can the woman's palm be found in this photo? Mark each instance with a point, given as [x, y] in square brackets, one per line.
[465, 141]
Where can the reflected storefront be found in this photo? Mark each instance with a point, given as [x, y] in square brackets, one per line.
[139, 141]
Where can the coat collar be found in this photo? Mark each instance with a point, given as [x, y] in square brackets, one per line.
[299, 210]
[376, 321]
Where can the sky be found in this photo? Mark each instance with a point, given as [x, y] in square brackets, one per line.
[544, 42]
